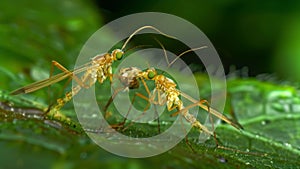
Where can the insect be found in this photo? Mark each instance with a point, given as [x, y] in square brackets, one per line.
[98, 69]
[166, 93]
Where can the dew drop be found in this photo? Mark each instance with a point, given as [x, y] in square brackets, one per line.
[152, 123]
[164, 123]
[222, 160]
[288, 145]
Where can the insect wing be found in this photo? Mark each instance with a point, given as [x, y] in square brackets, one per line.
[46, 82]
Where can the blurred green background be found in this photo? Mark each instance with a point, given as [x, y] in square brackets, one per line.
[263, 36]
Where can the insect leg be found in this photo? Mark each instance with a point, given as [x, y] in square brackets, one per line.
[186, 136]
[146, 107]
[211, 110]
[130, 107]
[151, 99]
[112, 98]
[62, 68]
[69, 95]
[231, 109]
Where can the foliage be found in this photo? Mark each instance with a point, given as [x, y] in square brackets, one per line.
[268, 112]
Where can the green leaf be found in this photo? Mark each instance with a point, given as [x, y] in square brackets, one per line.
[35, 32]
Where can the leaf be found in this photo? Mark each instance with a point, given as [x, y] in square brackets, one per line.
[33, 33]
[276, 136]
[268, 112]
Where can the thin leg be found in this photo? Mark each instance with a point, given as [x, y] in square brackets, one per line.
[53, 113]
[152, 100]
[157, 115]
[199, 125]
[112, 98]
[212, 122]
[211, 110]
[65, 70]
[231, 112]
[69, 95]
[190, 118]
[147, 106]
[120, 125]
[186, 136]
[159, 101]
[153, 96]
[62, 68]
[132, 101]
[146, 86]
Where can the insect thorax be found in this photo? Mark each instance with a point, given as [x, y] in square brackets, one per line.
[129, 77]
[102, 63]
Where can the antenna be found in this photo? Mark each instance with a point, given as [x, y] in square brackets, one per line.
[142, 28]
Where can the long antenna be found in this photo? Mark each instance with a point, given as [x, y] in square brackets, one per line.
[142, 28]
[164, 49]
[190, 50]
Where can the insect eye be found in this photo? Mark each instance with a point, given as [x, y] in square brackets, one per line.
[119, 55]
[151, 74]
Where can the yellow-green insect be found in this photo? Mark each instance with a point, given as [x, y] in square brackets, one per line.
[98, 69]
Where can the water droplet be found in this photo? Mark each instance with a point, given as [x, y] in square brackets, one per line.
[222, 160]
[54, 124]
[152, 123]
[287, 144]
[37, 117]
[164, 123]
[247, 163]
